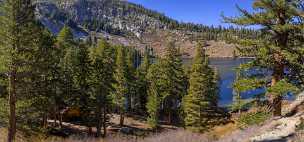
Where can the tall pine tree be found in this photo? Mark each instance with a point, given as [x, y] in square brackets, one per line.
[281, 22]
[121, 85]
[202, 95]
[142, 82]
[154, 98]
[16, 43]
[103, 62]
[174, 81]
[131, 79]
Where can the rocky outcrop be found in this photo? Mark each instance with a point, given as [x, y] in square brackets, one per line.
[281, 129]
[129, 24]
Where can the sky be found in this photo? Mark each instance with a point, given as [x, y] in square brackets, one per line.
[207, 12]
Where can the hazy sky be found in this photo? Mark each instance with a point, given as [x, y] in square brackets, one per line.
[206, 12]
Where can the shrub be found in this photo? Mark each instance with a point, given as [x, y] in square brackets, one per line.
[253, 118]
[300, 127]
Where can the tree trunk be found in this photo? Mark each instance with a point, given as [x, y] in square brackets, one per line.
[99, 121]
[55, 120]
[12, 107]
[169, 119]
[60, 120]
[90, 131]
[44, 121]
[276, 77]
[104, 122]
[129, 103]
[277, 104]
[122, 118]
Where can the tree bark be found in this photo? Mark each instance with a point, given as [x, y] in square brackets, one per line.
[12, 107]
[99, 121]
[60, 120]
[90, 131]
[277, 105]
[276, 77]
[44, 121]
[104, 122]
[122, 118]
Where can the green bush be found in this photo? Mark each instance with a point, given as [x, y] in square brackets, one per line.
[253, 118]
[300, 127]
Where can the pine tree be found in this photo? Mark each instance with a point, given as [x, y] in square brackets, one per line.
[63, 74]
[142, 82]
[44, 60]
[202, 96]
[154, 99]
[167, 85]
[103, 62]
[65, 37]
[173, 79]
[16, 43]
[278, 48]
[121, 85]
[131, 79]
[82, 82]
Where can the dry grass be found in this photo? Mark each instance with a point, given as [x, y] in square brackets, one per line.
[221, 131]
[3, 136]
[169, 136]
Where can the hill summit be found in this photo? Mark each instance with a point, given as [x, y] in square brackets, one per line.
[122, 22]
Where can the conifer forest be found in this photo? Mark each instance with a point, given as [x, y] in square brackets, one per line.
[117, 71]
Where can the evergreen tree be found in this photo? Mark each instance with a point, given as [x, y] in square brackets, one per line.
[278, 49]
[82, 83]
[121, 85]
[63, 74]
[142, 82]
[202, 95]
[131, 79]
[167, 86]
[154, 99]
[103, 62]
[16, 43]
[65, 37]
[44, 60]
[173, 79]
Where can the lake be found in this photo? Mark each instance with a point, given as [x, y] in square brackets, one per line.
[226, 69]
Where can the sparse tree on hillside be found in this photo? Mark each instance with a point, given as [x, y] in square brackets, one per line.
[280, 48]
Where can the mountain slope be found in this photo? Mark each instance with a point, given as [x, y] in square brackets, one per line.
[130, 24]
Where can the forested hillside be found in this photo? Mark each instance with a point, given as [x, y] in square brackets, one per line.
[60, 81]
[131, 24]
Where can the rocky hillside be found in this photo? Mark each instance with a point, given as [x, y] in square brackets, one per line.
[130, 24]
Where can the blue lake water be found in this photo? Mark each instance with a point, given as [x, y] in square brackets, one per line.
[226, 69]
